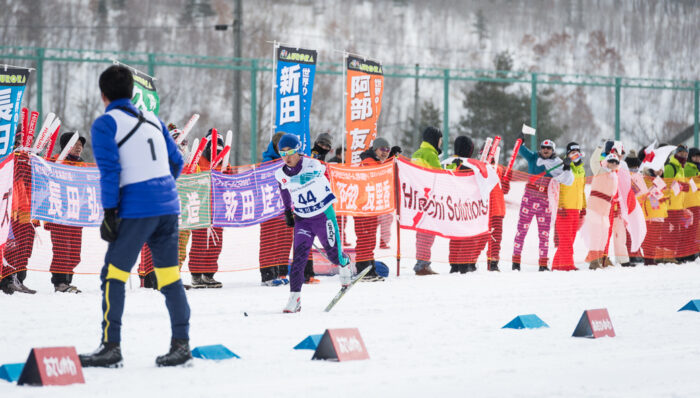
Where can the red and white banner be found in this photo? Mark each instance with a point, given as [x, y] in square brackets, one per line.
[6, 172]
[441, 202]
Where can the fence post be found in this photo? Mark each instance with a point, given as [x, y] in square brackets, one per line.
[696, 123]
[533, 111]
[446, 114]
[39, 81]
[151, 64]
[416, 111]
[254, 111]
[618, 82]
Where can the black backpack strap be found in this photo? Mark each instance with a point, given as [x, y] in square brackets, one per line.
[141, 120]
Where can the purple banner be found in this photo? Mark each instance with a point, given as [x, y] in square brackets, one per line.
[245, 199]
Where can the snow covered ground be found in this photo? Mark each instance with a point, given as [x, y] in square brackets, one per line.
[426, 336]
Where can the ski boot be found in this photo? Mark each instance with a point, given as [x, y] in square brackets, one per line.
[493, 266]
[179, 354]
[294, 303]
[107, 355]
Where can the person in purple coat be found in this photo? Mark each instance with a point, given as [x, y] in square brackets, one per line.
[308, 202]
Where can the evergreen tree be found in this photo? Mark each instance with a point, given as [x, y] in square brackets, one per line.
[430, 115]
[480, 27]
[497, 109]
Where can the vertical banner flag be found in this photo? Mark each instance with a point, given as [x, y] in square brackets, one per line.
[363, 103]
[195, 200]
[144, 95]
[248, 198]
[12, 84]
[67, 195]
[294, 80]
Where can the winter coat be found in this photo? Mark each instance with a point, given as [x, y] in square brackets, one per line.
[692, 199]
[573, 196]
[426, 156]
[369, 158]
[539, 166]
[649, 211]
[674, 171]
[270, 153]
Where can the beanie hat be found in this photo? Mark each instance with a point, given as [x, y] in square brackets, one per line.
[463, 146]
[681, 148]
[380, 142]
[432, 136]
[324, 139]
[206, 153]
[65, 137]
[289, 141]
[572, 146]
[548, 143]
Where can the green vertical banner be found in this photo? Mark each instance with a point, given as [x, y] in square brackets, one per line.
[195, 200]
[145, 96]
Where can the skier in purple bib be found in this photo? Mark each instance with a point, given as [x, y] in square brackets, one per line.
[308, 203]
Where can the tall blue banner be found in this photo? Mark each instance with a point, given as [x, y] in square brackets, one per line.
[241, 200]
[294, 81]
[12, 83]
[67, 195]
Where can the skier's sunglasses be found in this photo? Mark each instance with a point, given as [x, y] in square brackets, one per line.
[546, 147]
[289, 152]
[613, 161]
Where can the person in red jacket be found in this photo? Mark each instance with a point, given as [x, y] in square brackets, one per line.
[206, 242]
[66, 240]
[366, 227]
[19, 246]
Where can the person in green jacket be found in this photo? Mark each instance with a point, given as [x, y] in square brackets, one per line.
[426, 156]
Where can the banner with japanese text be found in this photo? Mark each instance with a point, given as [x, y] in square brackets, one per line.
[363, 103]
[194, 191]
[6, 170]
[294, 83]
[145, 97]
[12, 84]
[245, 199]
[441, 202]
[67, 195]
[363, 191]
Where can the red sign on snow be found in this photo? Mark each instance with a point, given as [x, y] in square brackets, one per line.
[341, 345]
[52, 366]
[594, 323]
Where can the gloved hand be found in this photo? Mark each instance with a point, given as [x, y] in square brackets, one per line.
[289, 218]
[395, 150]
[567, 163]
[109, 230]
[521, 136]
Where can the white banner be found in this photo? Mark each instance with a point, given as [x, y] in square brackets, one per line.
[441, 202]
[6, 172]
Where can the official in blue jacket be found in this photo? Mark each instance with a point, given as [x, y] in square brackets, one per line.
[138, 163]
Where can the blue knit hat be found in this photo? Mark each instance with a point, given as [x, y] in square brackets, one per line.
[289, 141]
